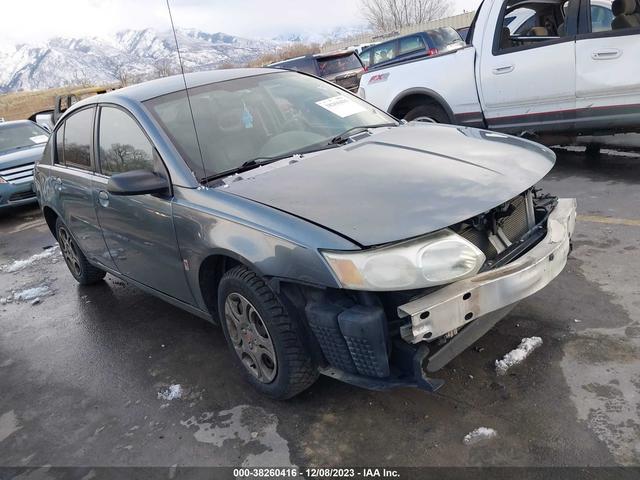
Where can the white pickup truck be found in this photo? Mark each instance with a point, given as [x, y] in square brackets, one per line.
[529, 66]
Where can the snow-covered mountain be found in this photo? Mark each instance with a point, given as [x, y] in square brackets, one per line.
[138, 54]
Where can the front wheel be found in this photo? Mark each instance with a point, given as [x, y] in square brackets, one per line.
[265, 340]
[427, 113]
[79, 266]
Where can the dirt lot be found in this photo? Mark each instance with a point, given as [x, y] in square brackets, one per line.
[84, 372]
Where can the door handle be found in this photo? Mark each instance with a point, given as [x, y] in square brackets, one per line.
[504, 69]
[103, 198]
[606, 54]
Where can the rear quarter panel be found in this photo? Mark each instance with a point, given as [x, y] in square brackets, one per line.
[450, 75]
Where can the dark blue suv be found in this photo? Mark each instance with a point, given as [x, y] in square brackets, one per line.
[416, 45]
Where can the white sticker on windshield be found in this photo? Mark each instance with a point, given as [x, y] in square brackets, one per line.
[341, 106]
[39, 139]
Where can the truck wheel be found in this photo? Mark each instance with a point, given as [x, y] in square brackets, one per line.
[266, 341]
[79, 266]
[427, 113]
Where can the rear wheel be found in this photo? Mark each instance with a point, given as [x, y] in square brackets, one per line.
[427, 113]
[265, 340]
[79, 266]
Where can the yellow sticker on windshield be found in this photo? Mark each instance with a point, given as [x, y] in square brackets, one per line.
[341, 106]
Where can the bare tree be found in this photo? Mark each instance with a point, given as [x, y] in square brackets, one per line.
[79, 79]
[163, 67]
[121, 72]
[388, 15]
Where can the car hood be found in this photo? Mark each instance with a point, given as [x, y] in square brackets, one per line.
[22, 156]
[400, 182]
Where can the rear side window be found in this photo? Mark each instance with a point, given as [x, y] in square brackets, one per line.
[333, 65]
[383, 53]
[59, 157]
[77, 139]
[411, 44]
[123, 146]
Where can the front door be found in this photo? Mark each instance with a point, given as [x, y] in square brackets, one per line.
[608, 65]
[527, 67]
[138, 229]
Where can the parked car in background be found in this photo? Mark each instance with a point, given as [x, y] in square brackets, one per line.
[570, 72]
[416, 45]
[21, 145]
[359, 48]
[48, 118]
[323, 235]
[342, 68]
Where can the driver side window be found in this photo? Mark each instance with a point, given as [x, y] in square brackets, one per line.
[531, 24]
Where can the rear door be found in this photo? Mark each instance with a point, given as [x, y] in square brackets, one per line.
[608, 64]
[72, 175]
[138, 230]
[527, 74]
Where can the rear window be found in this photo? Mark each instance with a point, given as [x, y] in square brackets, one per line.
[445, 38]
[333, 65]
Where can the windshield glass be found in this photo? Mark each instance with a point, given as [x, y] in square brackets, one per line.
[333, 65]
[21, 135]
[257, 118]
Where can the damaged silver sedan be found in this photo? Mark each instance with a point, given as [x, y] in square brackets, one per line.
[322, 235]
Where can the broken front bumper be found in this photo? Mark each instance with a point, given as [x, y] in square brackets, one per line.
[454, 306]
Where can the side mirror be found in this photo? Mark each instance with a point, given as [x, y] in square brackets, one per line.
[137, 182]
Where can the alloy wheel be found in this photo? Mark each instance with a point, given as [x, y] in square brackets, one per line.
[250, 338]
[69, 251]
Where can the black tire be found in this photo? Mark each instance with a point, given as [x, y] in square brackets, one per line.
[592, 156]
[79, 266]
[295, 370]
[429, 112]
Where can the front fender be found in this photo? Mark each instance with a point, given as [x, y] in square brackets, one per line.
[273, 243]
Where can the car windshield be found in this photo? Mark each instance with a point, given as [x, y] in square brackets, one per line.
[21, 135]
[333, 65]
[258, 118]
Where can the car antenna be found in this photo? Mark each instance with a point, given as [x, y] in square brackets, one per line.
[186, 89]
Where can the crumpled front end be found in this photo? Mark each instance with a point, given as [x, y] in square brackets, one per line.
[381, 340]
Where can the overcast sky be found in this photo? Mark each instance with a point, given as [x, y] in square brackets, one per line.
[36, 20]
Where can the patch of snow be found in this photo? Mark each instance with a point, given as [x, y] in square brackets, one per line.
[18, 265]
[32, 293]
[239, 427]
[517, 356]
[171, 393]
[478, 435]
[8, 424]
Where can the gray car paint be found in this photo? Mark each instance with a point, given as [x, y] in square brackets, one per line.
[401, 182]
[413, 161]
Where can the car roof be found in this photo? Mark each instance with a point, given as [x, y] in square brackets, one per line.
[163, 86]
[315, 56]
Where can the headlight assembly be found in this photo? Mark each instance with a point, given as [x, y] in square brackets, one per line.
[436, 259]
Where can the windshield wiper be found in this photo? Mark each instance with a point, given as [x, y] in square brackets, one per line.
[258, 162]
[344, 136]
